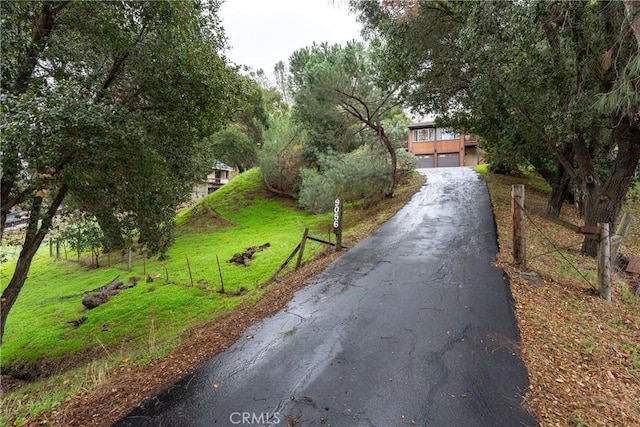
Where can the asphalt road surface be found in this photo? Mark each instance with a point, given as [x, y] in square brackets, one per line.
[413, 326]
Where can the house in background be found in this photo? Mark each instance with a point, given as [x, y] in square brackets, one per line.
[220, 175]
[441, 147]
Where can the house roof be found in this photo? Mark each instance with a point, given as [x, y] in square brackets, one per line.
[419, 125]
[221, 166]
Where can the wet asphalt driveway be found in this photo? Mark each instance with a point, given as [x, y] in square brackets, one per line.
[413, 326]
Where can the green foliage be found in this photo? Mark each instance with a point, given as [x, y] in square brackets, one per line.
[106, 106]
[274, 101]
[81, 234]
[482, 169]
[280, 159]
[526, 77]
[406, 163]
[360, 175]
[120, 114]
[318, 74]
[342, 103]
[634, 193]
[396, 125]
[234, 148]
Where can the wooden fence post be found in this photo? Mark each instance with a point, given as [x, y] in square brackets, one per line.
[282, 266]
[302, 243]
[519, 235]
[604, 262]
[220, 273]
[189, 268]
[166, 271]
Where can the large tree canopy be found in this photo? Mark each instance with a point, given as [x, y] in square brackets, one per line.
[237, 144]
[549, 83]
[341, 101]
[107, 105]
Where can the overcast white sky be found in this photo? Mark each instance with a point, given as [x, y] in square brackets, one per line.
[262, 32]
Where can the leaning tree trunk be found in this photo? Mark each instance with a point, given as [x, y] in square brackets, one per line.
[559, 192]
[32, 241]
[603, 202]
[11, 292]
[560, 185]
[394, 158]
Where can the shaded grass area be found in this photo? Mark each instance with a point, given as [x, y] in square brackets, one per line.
[141, 325]
[582, 354]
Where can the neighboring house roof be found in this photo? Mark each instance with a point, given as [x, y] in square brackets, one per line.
[422, 125]
[222, 167]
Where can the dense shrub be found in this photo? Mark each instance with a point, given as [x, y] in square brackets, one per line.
[279, 157]
[406, 163]
[361, 174]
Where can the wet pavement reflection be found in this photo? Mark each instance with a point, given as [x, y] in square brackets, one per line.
[413, 326]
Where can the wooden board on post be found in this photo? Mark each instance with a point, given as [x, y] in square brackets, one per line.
[337, 223]
[621, 233]
[519, 236]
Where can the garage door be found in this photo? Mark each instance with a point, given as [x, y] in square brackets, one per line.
[448, 160]
[425, 161]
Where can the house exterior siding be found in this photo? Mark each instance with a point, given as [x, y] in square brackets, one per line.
[220, 175]
[446, 147]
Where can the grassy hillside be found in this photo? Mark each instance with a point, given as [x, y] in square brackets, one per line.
[238, 216]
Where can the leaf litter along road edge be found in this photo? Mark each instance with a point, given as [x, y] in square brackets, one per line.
[572, 342]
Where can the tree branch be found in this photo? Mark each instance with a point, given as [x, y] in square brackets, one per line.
[275, 190]
[118, 65]
[44, 24]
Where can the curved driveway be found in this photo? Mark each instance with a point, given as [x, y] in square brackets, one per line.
[413, 326]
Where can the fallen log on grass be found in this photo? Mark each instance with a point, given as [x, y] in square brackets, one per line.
[244, 257]
[99, 296]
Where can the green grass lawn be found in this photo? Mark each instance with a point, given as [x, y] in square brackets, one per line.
[155, 313]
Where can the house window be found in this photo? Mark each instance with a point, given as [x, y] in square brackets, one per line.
[421, 135]
[444, 134]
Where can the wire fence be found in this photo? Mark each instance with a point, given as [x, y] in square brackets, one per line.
[557, 250]
[556, 247]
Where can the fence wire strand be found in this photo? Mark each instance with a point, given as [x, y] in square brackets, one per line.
[556, 249]
[530, 257]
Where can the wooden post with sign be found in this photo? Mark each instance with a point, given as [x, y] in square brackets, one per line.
[604, 262]
[519, 236]
[337, 223]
